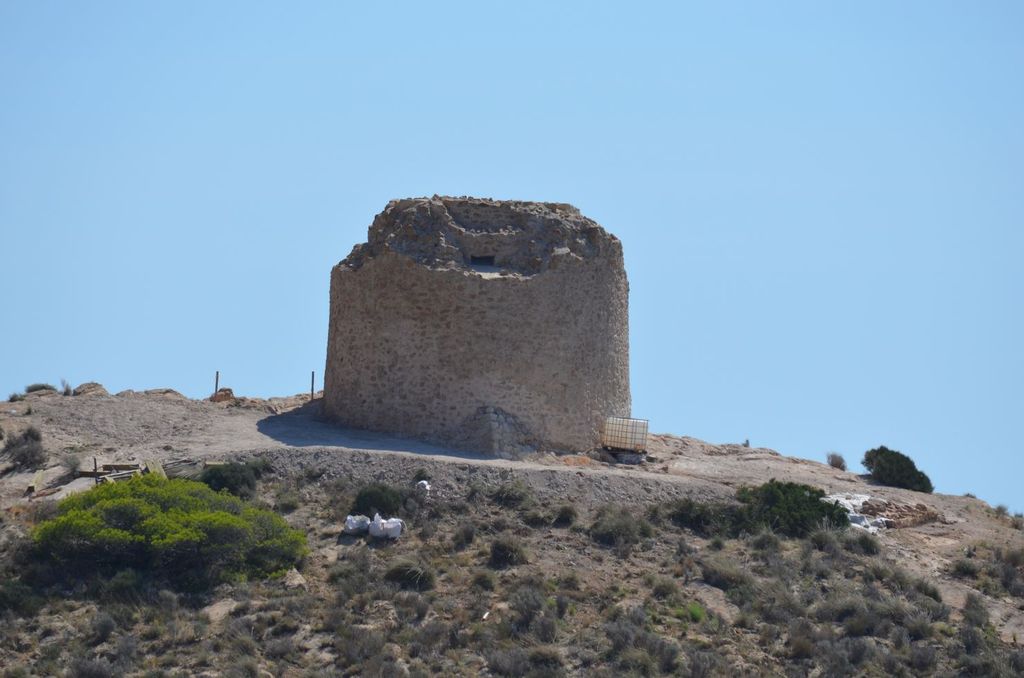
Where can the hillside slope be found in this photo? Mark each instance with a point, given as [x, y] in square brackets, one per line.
[319, 467]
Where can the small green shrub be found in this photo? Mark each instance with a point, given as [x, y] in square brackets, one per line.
[824, 539]
[836, 461]
[975, 611]
[507, 551]
[512, 495]
[18, 598]
[103, 625]
[25, 450]
[706, 519]
[513, 662]
[565, 516]
[464, 535]
[966, 568]
[766, 540]
[536, 518]
[895, 469]
[238, 479]
[616, 526]
[483, 580]
[91, 668]
[33, 388]
[287, 501]
[178, 530]
[860, 541]
[378, 498]
[411, 575]
[15, 398]
[663, 587]
[929, 589]
[723, 574]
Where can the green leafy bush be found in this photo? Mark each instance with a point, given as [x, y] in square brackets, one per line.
[179, 531]
[378, 498]
[892, 468]
[25, 450]
[32, 388]
[791, 509]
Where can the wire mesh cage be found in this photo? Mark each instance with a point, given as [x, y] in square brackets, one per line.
[622, 433]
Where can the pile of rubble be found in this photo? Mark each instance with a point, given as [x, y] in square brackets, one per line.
[873, 514]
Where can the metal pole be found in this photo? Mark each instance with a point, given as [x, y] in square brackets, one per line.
[216, 382]
[312, 379]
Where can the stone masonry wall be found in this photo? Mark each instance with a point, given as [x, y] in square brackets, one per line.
[529, 353]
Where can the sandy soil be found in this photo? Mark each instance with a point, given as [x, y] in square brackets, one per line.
[164, 425]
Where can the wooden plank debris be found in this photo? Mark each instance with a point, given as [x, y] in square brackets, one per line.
[154, 467]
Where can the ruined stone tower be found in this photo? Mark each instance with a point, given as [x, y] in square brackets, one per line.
[494, 326]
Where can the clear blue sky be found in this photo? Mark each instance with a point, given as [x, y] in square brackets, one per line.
[822, 204]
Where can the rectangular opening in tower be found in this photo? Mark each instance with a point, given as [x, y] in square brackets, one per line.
[482, 261]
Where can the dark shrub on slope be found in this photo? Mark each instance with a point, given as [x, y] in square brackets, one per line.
[895, 469]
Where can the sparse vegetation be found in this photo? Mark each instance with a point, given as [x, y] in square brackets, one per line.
[889, 467]
[25, 450]
[470, 588]
[511, 495]
[34, 388]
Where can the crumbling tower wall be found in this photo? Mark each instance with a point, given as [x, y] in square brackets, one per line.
[495, 326]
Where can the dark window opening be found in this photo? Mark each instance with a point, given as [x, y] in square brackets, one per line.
[481, 261]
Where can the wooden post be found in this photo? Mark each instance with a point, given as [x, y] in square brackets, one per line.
[216, 382]
[312, 379]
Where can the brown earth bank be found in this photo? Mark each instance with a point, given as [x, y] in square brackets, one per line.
[664, 585]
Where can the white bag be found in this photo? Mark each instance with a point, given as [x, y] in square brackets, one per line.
[376, 526]
[356, 524]
[393, 528]
[390, 528]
